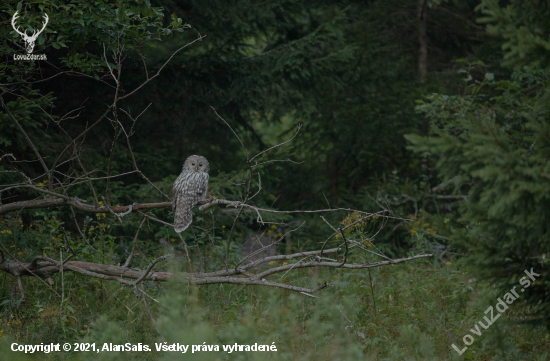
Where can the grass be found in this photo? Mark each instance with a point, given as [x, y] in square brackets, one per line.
[421, 309]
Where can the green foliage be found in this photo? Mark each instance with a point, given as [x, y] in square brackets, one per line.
[346, 70]
[524, 26]
[492, 143]
[421, 309]
[81, 31]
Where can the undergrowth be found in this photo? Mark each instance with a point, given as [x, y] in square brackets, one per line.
[421, 309]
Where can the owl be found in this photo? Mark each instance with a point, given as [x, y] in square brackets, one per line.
[190, 188]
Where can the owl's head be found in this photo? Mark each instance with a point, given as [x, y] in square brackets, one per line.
[196, 163]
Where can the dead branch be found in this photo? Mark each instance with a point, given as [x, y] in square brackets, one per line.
[162, 67]
[29, 141]
[48, 267]
[129, 259]
[278, 145]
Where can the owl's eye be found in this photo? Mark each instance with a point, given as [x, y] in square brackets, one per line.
[193, 164]
[200, 165]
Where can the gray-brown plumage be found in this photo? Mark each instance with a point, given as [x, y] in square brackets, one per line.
[190, 188]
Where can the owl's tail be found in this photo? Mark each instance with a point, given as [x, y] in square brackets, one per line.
[183, 215]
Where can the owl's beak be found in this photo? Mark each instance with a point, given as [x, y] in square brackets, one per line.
[196, 169]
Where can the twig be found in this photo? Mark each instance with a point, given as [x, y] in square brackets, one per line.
[29, 141]
[7, 155]
[149, 311]
[150, 267]
[226, 123]
[162, 67]
[129, 259]
[8, 267]
[372, 291]
[185, 246]
[62, 279]
[278, 145]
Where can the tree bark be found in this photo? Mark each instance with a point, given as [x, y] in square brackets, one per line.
[422, 20]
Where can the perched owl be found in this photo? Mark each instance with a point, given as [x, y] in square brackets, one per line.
[190, 188]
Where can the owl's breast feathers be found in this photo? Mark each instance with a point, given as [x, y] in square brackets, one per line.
[189, 189]
[191, 183]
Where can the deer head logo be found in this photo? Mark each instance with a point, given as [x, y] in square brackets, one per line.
[29, 40]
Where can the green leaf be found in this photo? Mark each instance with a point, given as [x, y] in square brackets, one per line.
[490, 76]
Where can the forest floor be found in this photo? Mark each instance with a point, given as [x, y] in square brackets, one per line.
[420, 309]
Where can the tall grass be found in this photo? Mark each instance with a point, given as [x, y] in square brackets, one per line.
[421, 309]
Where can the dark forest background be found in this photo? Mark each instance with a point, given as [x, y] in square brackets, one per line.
[435, 109]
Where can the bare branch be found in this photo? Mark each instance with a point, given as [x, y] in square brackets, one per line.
[148, 310]
[29, 141]
[337, 265]
[278, 160]
[278, 145]
[121, 274]
[7, 155]
[162, 67]
[226, 123]
[129, 259]
[151, 265]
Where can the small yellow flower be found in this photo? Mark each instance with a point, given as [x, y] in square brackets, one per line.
[272, 262]
[369, 244]
[20, 253]
[426, 225]
[223, 226]
[285, 263]
[172, 240]
[7, 231]
[273, 227]
[269, 232]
